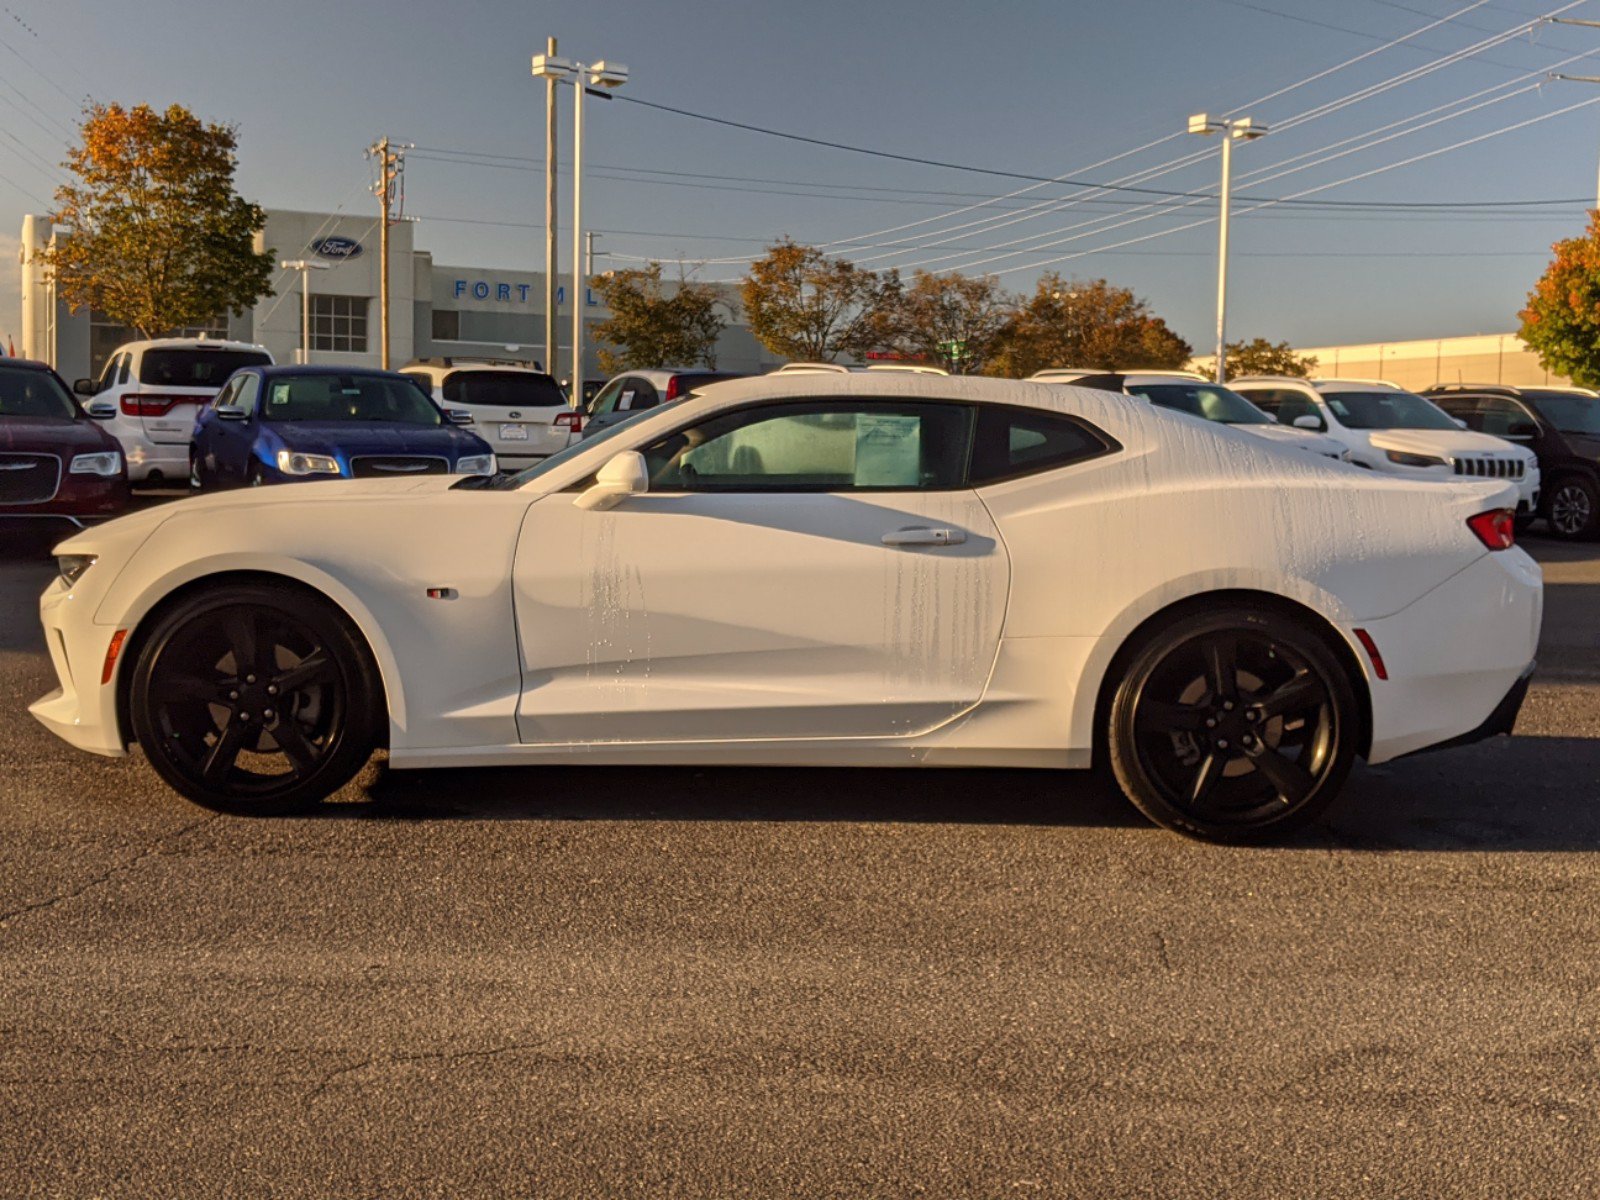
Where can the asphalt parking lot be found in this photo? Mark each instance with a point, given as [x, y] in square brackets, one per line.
[662, 982]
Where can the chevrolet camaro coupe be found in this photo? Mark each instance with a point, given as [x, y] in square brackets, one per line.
[828, 570]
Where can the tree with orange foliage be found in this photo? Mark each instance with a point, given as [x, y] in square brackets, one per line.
[1562, 321]
[159, 239]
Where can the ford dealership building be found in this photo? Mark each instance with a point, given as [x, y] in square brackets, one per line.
[434, 309]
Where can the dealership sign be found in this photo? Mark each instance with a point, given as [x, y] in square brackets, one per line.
[336, 247]
[482, 289]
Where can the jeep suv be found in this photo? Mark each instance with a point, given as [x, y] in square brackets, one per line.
[1561, 425]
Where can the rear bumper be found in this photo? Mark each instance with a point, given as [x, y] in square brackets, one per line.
[1501, 721]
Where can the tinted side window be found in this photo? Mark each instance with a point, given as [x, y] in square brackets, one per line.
[122, 367]
[1012, 442]
[247, 393]
[606, 401]
[644, 395]
[1292, 405]
[1498, 415]
[817, 446]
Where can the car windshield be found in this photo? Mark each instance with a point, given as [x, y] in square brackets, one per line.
[1386, 410]
[508, 483]
[1205, 400]
[335, 397]
[503, 389]
[201, 368]
[30, 393]
[1568, 412]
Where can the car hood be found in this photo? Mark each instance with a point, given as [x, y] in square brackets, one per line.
[1444, 442]
[1302, 439]
[376, 437]
[53, 435]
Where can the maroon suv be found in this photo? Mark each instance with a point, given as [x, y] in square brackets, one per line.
[54, 460]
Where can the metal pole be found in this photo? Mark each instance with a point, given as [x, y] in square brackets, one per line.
[550, 216]
[578, 279]
[1222, 256]
[588, 256]
[305, 314]
[383, 254]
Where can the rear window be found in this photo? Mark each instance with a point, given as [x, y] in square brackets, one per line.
[503, 389]
[29, 393]
[195, 367]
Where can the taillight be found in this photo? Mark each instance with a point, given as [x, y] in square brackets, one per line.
[135, 405]
[569, 420]
[1496, 529]
[674, 388]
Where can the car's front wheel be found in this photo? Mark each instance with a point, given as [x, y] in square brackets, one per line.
[1233, 725]
[255, 698]
[1573, 509]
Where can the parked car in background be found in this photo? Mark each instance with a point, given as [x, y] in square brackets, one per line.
[816, 570]
[150, 392]
[1389, 429]
[55, 462]
[289, 424]
[1193, 394]
[636, 391]
[1560, 425]
[518, 409]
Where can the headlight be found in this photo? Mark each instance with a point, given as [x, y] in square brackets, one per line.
[292, 462]
[72, 566]
[1401, 459]
[107, 463]
[476, 464]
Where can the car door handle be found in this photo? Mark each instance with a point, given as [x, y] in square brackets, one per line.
[923, 536]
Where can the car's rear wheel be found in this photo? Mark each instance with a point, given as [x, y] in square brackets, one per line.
[255, 699]
[1233, 725]
[1573, 509]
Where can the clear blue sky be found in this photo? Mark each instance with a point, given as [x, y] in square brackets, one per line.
[1038, 87]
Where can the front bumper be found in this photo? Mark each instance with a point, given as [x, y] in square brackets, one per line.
[81, 710]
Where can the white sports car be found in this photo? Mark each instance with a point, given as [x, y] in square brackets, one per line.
[824, 569]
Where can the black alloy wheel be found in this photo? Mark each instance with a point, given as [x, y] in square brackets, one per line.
[255, 699]
[1233, 726]
[1573, 509]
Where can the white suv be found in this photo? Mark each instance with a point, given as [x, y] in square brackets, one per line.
[151, 392]
[1187, 392]
[515, 407]
[1390, 429]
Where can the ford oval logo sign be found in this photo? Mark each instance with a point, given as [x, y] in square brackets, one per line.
[336, 247]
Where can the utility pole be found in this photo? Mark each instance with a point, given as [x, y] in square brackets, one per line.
[550, 215]
[1579, 78]
[391, 160]
[1242, 128]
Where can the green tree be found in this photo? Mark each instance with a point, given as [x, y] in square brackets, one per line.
[159, 239]
[954, 320]
[1261, 357]
[802, 304]
[650, 328]
[1084, 323]
[1561, 323]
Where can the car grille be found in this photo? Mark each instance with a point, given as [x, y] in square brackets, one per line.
[1491, 468]
[29, 478]
[397, 466]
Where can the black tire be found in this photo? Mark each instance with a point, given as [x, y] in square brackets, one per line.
[280, 734]
[1233, 725]
[1572, 509]
[196, 482]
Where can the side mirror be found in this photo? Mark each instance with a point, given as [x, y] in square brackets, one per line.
[228, 412]
[621, 477]
[1523, 431]
[1309, 422]
[84, 387]
[102, 410]
[458, 416]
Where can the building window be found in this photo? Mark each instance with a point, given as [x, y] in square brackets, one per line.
[339, 323]
[446, 325]
[105, 335]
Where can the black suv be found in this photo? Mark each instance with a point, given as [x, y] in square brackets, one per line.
[1560, 425]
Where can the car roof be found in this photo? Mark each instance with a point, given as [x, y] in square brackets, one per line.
[1181, 376]
[27, 364]
[186, 344]
[288, 370]
[1506, 389]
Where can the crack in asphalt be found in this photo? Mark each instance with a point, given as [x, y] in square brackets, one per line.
[400, 1060]
[1161, 951]
[106, 876]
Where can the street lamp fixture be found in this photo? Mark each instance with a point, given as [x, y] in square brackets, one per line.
[1232, 129]
[305, 266]
[583, 77]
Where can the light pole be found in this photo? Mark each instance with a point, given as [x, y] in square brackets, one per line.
[305, 266]
[583, 77]
[549, 212]
[1230, 128]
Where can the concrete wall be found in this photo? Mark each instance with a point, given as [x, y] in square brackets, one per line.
[1481, 358]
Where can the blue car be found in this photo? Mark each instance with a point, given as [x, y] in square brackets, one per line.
[284, 424]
